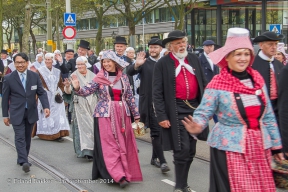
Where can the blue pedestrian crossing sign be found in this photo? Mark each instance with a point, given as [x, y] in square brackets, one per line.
[69, 19]
[275, 28]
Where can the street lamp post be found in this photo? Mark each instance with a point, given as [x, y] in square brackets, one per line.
[29, 44]
[49, 26]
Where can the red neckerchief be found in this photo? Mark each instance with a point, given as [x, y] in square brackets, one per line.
[227, 82]
[101, 79]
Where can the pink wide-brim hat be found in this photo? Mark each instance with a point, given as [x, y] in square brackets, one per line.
[120, 63]
[237, 38]
[281, 48]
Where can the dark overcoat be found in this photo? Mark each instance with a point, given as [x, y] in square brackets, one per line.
[263, 67]
[283, 106]
[164, 96]
[209, 73]
[145, 91]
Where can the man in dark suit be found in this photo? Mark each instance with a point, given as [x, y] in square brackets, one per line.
[209, 68]
[178, 87]
[120, 46]
[19, 106]
[83, 48]
[269, 67]
[61, 64]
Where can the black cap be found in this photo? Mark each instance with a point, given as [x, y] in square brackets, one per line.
[268, 36]
[208, 42]
[69, 50]
[155, 41]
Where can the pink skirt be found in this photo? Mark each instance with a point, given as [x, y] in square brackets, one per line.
[118, 145]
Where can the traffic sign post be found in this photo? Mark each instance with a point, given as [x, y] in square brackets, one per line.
[69, 19]
[275, 28]
[69, 32]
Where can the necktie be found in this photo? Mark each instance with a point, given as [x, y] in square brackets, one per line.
[23, 80]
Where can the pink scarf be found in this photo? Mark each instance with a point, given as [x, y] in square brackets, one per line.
[101, 79]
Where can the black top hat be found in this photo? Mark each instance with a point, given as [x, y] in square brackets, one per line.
[155, 41]
[177, 34]
[4, 51]
[69, 50]
[120, 40]
[84, 44]
[268, 36]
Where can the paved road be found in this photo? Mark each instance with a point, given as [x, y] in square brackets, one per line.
[61, 158]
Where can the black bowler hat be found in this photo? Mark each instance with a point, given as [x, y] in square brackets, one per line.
[268, 36]
[174, 35]
[208, 42]
[84, 44]
[155, 41]
[120, 40]
[4, 51]
[69, 50]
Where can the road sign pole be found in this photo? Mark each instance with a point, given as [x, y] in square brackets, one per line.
[49, 26]
[68, 10]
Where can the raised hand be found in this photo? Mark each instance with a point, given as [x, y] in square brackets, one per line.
[140, 59]
[75, 82]
[191, 126]
[66, 82]
[58, 58]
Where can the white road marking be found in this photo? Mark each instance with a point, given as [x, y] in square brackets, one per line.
[68, 138]
[171, 183]
[168, 182]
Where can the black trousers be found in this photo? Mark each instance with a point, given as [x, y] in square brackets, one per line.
[23, 133]
[155, 134]
[184, 157]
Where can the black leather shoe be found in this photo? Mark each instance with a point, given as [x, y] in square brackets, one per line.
[21, 164]
[123, 183]
[89, 158]
[164, 168]
[187, 189]
[26, 167]
[60, 139]
[155, 162]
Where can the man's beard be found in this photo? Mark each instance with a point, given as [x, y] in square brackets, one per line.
[155, 55]
[181, 55]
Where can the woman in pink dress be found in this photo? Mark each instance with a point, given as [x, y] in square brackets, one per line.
[115, 151]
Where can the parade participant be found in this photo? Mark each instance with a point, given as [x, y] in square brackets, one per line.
[82, 111]
[283, 108]
[120, 46]
[178, 86]
[209, 69]
[3, 66]
[144, 68]
[83, 48]
[60, 64]
[56, 126]
[98, 64]
[130, 53]
[247, 131]
[38, 63]
[281, 55]
[92, 58]
[115, 151]
[267, 66]
[19, 105]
